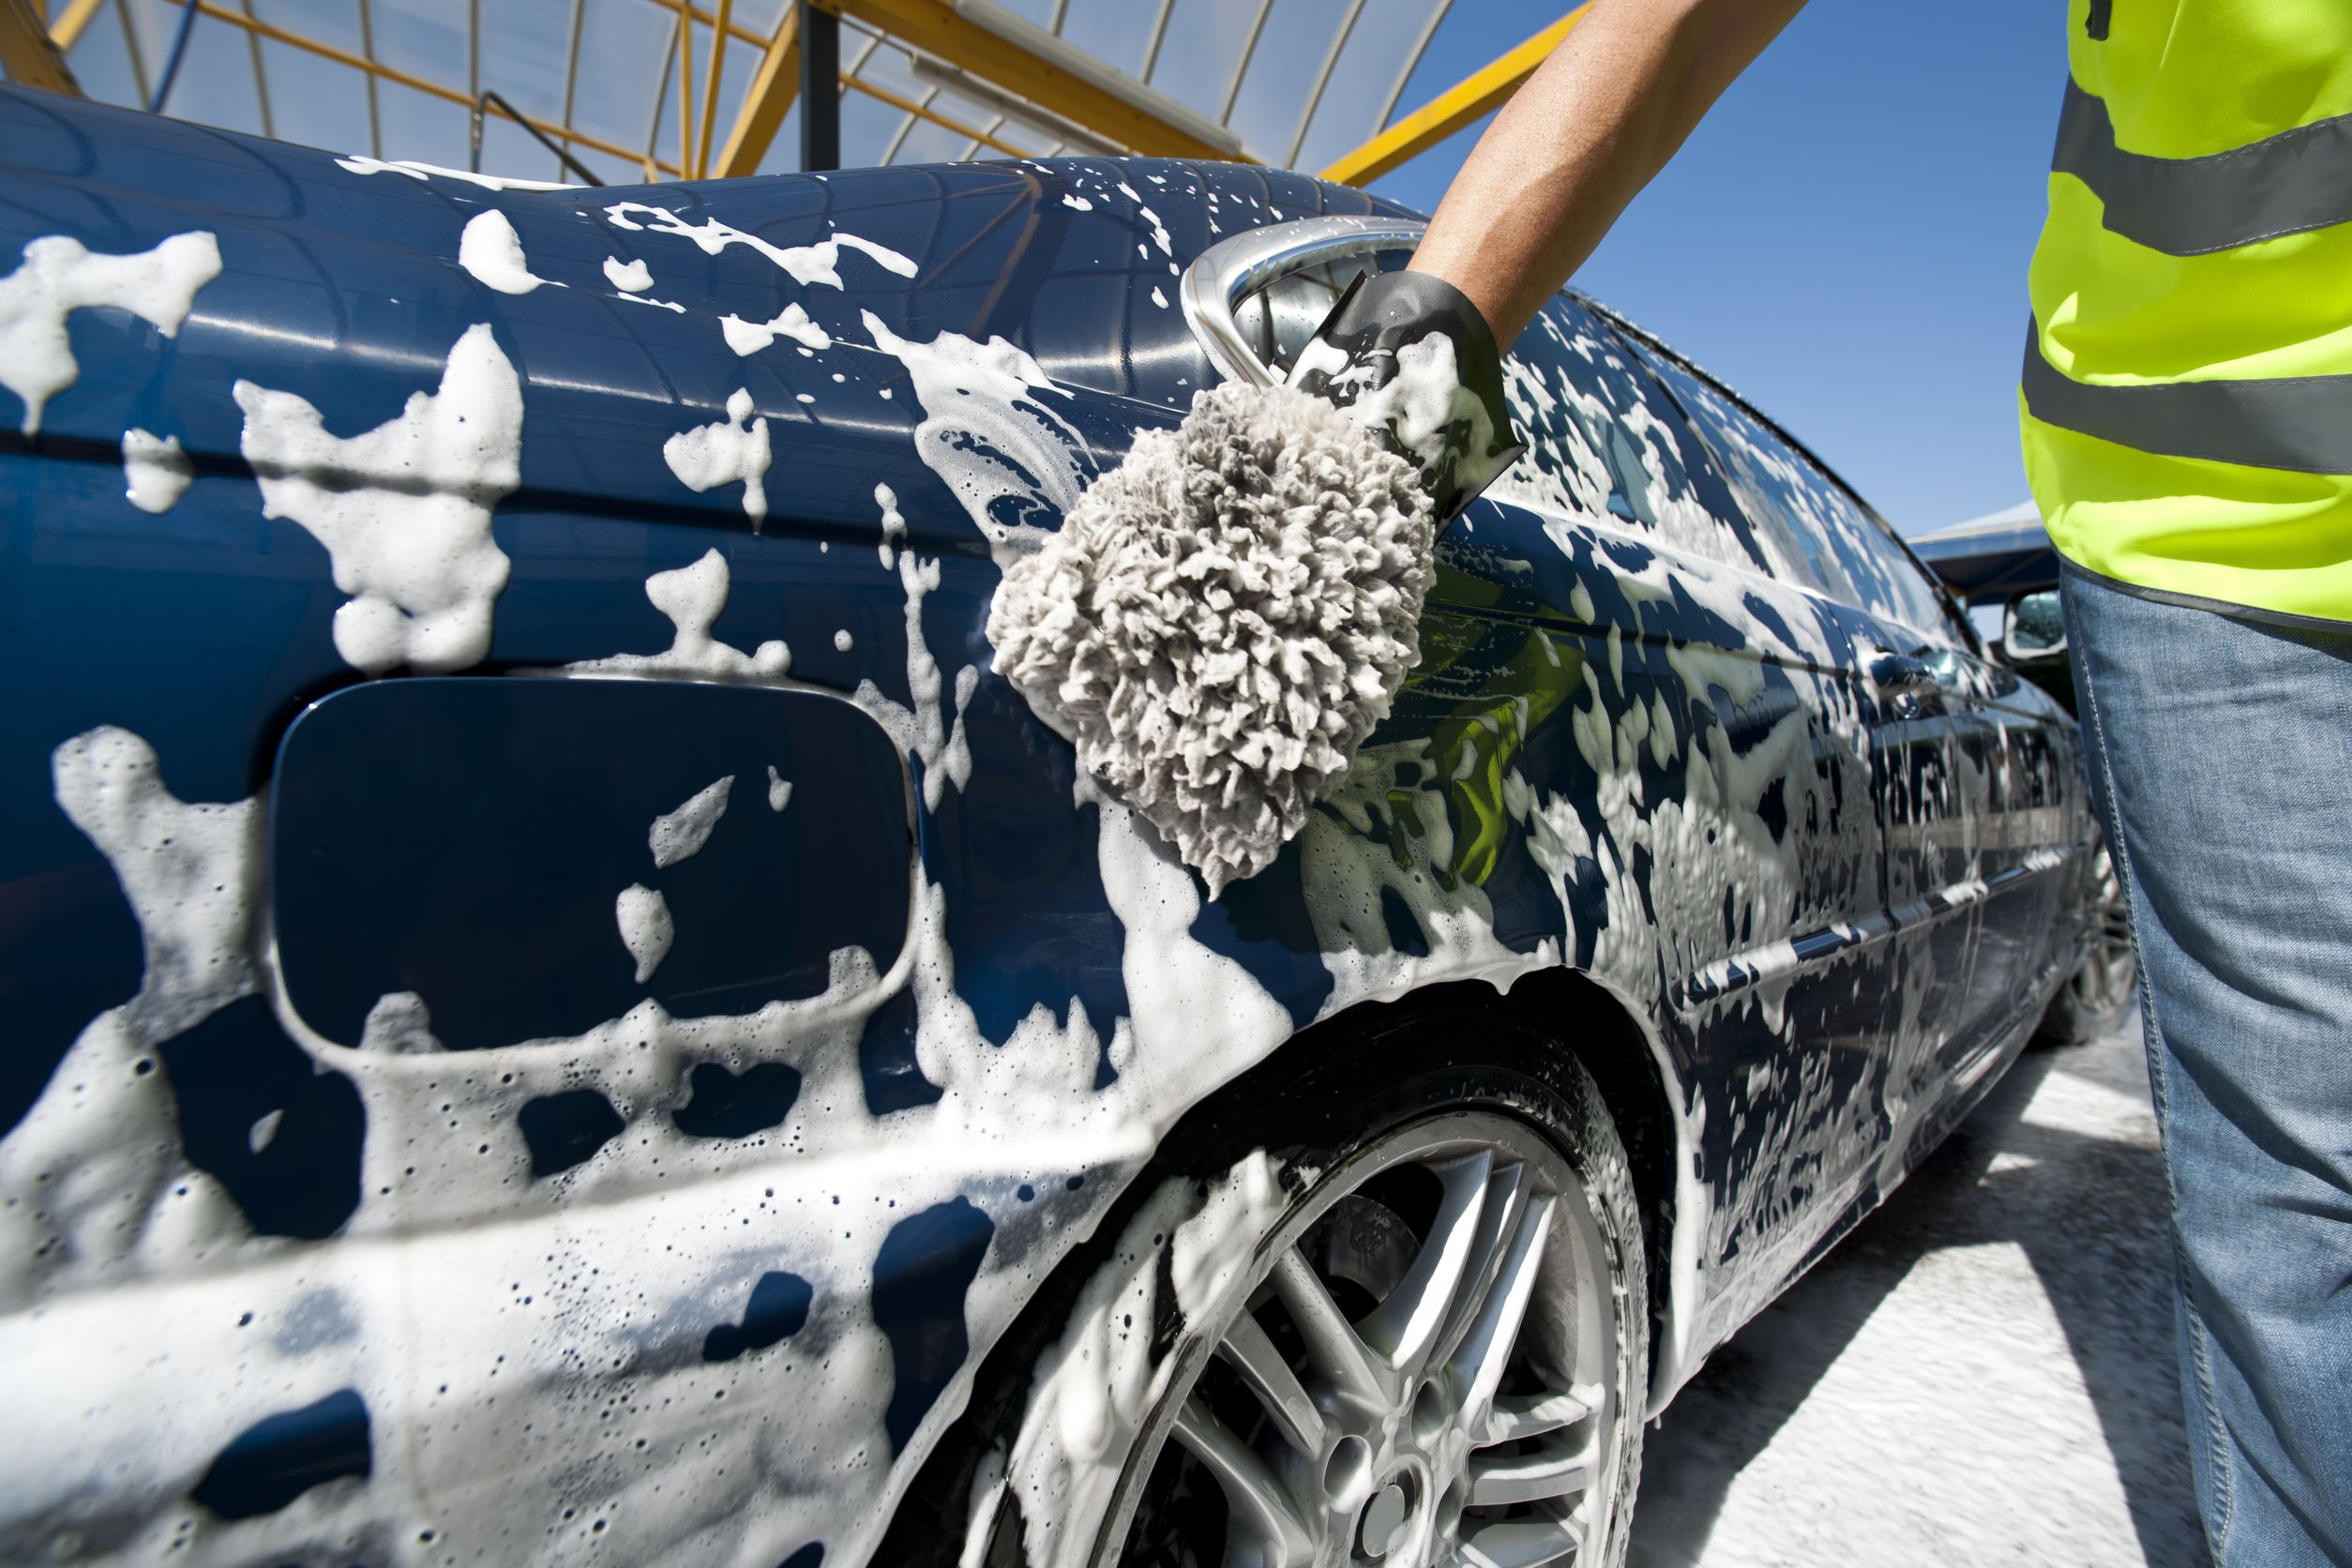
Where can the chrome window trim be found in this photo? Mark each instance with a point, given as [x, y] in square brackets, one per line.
[1232, 270]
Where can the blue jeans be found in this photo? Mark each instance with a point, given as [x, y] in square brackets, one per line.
[2220, 752]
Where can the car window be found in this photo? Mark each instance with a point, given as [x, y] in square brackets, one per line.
[1606, 444]
[1829, 540]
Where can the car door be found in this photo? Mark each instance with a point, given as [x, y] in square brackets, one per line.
[1940, 758]
[1726, 845]
[2038, 814]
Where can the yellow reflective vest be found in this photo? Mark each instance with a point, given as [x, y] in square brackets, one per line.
[2187, 395]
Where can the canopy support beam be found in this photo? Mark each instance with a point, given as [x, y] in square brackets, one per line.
[761, 116]
[28, 54]
[820, 89]
[996, 54]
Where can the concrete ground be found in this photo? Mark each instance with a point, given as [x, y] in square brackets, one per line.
[1983, 1372]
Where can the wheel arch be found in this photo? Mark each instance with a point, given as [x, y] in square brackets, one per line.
[1627, 1061]
[1645, 1096]
[1640, 1087]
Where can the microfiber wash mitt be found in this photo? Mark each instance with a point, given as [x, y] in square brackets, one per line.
[1226, 615]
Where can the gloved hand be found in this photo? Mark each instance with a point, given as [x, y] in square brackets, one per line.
[1411, 357]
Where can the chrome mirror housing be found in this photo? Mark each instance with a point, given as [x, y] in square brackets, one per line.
[2034, 628]
[1216, 290]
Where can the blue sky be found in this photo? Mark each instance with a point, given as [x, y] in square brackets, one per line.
[1845, 239]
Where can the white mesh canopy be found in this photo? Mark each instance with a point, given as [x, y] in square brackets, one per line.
[1298, 82]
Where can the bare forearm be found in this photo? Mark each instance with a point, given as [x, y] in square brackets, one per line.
[1579, 140]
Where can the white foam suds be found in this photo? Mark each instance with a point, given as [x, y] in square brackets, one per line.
[923, 731]
[264, 1132]
[692, 597]
[646, 929]
[94, 1175]
[750, 338]
[628, 276]
[807, 264]
[680, 834]
[1223, 618]
[1158, 298]
[841, 640]
[894, 525]
[359, 164]
[658, 1215]
[492, 252]
[1095, 1387]
[403, 509]
[1210, 1251]
[155, 473]
[1421, 407]
[1078, 202]
[780, 790]
[1159, 230]
[670, 305]
[986, 435]
[1376, 842]
[58, 276]
[733, 450]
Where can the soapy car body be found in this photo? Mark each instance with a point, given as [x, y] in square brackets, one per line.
[558, 1010]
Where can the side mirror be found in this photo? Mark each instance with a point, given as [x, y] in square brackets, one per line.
[2034, 628]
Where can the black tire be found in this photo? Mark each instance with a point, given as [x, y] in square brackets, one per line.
[1361, 1085]
[2101, 992]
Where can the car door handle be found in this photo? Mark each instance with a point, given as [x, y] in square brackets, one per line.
[1907, 683]
[1897, 673]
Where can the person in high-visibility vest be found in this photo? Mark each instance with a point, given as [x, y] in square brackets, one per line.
[2187, 414]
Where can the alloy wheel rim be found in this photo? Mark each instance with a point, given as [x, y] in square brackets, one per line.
[1465, 1415]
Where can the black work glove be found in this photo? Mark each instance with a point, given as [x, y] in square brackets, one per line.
[1415, 360]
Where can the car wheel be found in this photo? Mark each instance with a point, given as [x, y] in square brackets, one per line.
[1428, 1346]
[2100, 992]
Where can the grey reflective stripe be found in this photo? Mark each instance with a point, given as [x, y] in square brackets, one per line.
[2288, 184]
[2300, 423]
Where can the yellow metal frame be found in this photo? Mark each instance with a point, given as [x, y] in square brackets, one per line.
[710, 89]
[686, 87]
[1484, 91]
[28, 52]
[924, 112]
[423, 85]
[762, 114]
[931, 26]
[67, 30]
[934, 27]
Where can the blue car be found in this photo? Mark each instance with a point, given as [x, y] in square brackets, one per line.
[559, 1012]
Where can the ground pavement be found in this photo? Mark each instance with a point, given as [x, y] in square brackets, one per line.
[1981, 1372]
